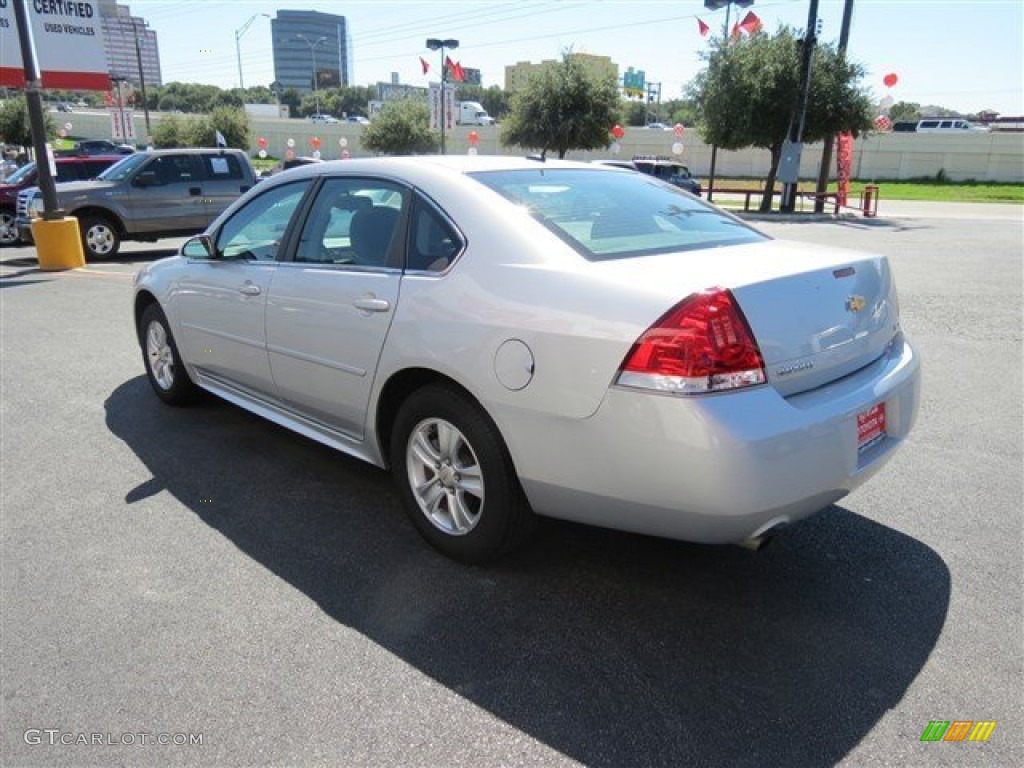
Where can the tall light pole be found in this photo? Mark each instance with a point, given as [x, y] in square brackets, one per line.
[312, 53]
[714, 5]
[436, 44]
[142, 82]
[238, 45]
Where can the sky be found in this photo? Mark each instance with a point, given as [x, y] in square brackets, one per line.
[956, 54]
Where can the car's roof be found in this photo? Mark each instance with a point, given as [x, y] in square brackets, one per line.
[91, 158]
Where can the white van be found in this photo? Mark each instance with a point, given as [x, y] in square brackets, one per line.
[946, 125]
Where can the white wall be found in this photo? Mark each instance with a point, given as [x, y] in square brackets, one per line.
[976, 155]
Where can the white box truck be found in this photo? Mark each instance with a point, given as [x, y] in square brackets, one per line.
[472, 113]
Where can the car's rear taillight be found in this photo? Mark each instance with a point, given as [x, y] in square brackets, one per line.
[703, 344]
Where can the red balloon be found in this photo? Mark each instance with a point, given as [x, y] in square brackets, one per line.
[474, 137]
[315, 142]
[617, 131]
[677, 129]
[261, 142]
[890, 80]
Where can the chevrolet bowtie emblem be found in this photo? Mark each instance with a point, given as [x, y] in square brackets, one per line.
[855, 303]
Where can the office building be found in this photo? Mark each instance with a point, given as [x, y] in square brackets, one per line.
[120, 30]
[302, 39]
[516, 75]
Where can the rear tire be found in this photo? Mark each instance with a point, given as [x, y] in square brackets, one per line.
[100, 237]
[164, 368]
[455, 477]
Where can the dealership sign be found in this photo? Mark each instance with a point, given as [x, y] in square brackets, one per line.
[68, 36]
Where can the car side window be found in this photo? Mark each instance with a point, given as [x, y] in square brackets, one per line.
[222, 167]
[433, 242]
[66, 172]
[353, 221]
[173, 169]
[255, 231]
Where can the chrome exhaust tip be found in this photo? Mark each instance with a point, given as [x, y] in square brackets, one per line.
[756, 543]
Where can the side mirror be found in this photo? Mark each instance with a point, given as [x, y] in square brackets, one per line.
[199, 247]
[146, 179]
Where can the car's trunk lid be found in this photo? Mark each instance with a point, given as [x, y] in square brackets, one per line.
[817, 313]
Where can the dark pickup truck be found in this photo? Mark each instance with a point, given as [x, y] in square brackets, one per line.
[147, 196]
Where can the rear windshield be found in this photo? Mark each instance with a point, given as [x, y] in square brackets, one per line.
[609, 214]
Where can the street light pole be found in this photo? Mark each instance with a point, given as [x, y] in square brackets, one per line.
[238, 44]
[142, 83]
[436, 44]
[714, 5]
[312, 54]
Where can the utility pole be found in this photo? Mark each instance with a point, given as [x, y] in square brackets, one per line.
[826, 151]
[142, 82]
[799, 119]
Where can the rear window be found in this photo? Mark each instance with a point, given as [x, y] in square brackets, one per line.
[222, 167]
[606, 214]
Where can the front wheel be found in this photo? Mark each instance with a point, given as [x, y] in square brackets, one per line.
[164, 368]
[455, 476]
[100, 238]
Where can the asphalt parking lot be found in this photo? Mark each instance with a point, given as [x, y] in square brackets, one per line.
[203, 575]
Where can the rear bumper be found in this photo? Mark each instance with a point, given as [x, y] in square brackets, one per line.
[718, 468]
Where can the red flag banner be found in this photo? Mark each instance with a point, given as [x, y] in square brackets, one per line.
[425, 64]
[735, 30]
[704, 28]
[751, 23]
[844, 163]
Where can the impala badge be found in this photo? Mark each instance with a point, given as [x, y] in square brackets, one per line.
[855, 303]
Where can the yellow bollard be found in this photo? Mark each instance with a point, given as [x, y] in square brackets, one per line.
[58, 244]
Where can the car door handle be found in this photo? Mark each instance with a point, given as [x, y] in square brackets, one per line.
[372, 304]
[250, 290]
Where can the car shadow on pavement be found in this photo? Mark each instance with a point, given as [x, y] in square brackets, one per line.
[613, 649]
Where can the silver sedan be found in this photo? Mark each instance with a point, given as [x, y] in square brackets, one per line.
[517, 338]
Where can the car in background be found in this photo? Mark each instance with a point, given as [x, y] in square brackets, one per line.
[658, 127]
[663, 168]
[318, 118]
[64, 107]
[517, 338]
[289, 163]
[948, 125]
[96, 147]
[357, 120]
[72, 168]
[147, 196]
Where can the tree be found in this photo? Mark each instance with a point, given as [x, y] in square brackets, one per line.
[747, 94]
[171, 132]
[905, 111]
[402, 128]
[563, 107]
[14, 123]
[232, 123]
